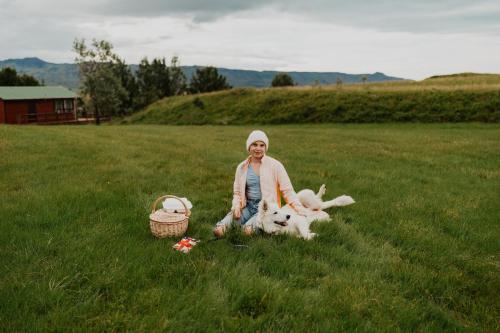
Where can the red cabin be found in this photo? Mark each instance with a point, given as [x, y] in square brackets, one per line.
[29, 105]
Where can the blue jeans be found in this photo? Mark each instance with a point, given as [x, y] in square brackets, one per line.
[248, 216]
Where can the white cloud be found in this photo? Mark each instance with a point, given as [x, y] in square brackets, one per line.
[406, 39]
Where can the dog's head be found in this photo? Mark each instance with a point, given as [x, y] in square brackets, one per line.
[270, 218]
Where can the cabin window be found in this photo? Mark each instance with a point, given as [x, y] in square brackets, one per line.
[64, 105]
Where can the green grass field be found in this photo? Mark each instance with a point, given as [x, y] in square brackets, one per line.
[419, 251]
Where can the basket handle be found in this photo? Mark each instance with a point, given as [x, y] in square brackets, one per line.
[188, 212]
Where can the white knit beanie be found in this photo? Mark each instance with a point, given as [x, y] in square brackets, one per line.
[257, 136]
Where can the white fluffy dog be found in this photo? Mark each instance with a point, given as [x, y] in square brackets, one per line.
[275, 220]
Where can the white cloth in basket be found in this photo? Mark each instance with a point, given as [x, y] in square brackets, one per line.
[172, 205]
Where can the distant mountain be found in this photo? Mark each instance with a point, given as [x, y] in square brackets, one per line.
[260, 79]
[49, 73]
[67, 74]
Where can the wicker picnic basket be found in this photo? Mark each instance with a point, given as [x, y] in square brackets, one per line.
[165, 223]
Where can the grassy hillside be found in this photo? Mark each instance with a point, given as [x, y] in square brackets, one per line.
[456, 98]
[417, 252]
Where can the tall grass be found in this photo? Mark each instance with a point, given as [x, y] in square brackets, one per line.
[442, 99]
[417, 252]
[464, 81]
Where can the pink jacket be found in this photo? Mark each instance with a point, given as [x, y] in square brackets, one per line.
[273, 181]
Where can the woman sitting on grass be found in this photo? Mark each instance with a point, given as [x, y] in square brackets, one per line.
[257, 177]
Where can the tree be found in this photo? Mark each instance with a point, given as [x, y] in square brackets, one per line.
[129, 83]
[156, 80]
[153, 80]
[179, 81]
[102, 89]
[107, 96]
[207, 79]
[339, 82]
[9, 77]
[282, 80]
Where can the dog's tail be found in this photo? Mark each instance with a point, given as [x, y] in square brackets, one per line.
[343, 200]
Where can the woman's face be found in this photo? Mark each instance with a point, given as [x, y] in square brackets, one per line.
[257, 149]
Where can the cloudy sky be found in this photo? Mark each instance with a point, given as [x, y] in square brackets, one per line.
[403, 38]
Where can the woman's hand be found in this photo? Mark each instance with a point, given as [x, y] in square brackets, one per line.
[237, 213]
